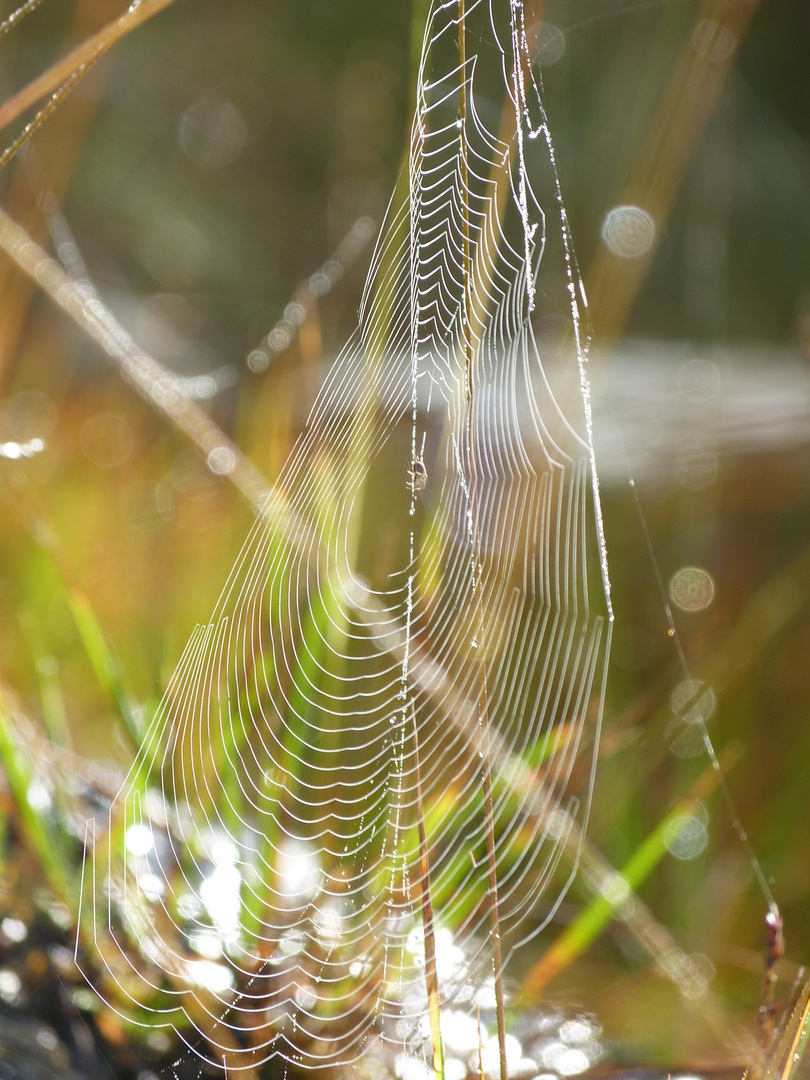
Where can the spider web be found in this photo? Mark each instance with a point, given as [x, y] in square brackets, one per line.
[427, 586]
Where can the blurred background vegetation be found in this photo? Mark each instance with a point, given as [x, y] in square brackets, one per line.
[202, 172]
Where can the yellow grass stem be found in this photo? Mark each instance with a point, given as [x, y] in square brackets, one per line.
[788, 1052]
[431, 973]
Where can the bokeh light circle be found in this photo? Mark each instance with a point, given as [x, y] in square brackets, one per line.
[691, 589]
[628, 231]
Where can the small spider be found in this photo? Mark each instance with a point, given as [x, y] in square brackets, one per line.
[417, 475]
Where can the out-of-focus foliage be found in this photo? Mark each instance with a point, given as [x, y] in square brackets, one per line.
[204, 170]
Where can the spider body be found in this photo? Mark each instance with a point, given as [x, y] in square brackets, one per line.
[417, 475]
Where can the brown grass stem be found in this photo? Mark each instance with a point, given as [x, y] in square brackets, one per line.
[38, 187]
[17, 16]
[431, 972]
[62, 76]
[44, 113]
[773, 954]
[613, 282]
[492, 892]
[480, 1043]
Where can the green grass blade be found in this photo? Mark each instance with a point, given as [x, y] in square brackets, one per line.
[41, 836]
[53, 702]
[594, 918]
[105, 664]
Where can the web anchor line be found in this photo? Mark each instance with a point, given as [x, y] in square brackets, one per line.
[711, 753]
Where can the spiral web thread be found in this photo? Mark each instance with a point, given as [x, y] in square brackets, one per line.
[435, 531]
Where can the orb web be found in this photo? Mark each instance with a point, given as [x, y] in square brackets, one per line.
[257, 886]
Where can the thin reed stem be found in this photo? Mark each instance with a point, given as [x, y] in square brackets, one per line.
[17, 16]
[431, 972]
[775, 952]
[475, 569]
[62, 76]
